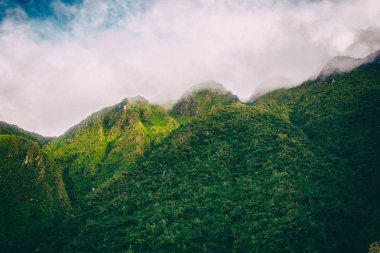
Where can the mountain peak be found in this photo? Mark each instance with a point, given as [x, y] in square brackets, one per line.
[374, 57]
[137, 100]
[212, 86]
[340, 64]
[202, 97]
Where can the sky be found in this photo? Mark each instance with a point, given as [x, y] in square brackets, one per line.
[60, 61]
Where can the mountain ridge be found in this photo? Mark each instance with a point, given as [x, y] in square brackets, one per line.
[303, 157]
[10, 129]
[341, 64]
[296, 170]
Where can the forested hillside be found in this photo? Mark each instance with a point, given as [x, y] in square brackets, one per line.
[341, 115]
[296, 170]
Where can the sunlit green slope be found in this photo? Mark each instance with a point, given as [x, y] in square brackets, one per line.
[108, 140]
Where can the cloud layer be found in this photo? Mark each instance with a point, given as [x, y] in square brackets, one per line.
[54, 72]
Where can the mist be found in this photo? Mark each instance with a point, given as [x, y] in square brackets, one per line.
[55, 71]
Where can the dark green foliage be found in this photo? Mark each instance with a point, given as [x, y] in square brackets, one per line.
[341, 115]
[32, 195]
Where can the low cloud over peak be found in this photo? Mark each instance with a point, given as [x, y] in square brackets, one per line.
[84, 56]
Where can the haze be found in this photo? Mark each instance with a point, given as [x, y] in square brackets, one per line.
[56, 69]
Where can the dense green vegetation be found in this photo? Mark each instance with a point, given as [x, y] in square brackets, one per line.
[243, 183]
[32, 195]
[297, 170]
[341, 115]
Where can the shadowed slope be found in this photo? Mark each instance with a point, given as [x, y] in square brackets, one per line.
[32, 195]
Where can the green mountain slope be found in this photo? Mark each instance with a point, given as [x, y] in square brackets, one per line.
[341, 115]
[205, 186]
[32, 195]
[298, 170]
[112, 138]
[10, 129]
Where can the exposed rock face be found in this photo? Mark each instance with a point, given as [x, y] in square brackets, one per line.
[138, 100]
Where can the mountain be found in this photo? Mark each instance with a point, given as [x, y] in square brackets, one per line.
[233, 180]
[296, 170]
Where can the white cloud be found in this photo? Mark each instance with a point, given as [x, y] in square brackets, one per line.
[52, 77]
